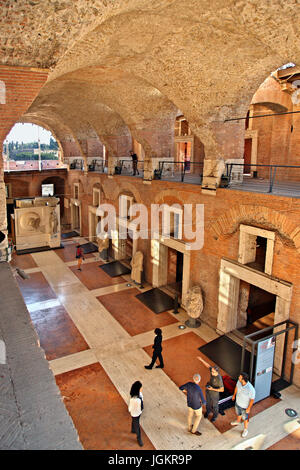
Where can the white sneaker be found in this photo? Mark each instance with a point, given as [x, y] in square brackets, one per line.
[235, 423]
[245, 433]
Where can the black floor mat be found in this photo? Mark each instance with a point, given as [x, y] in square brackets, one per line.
[115, 268]
[227, 354]
[278, 385]
[89, 248]
[69, 235]
[37, 250]
[157, 300]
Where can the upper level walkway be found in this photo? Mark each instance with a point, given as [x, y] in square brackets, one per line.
[279, 180]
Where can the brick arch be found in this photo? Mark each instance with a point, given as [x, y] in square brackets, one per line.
[97, 185]
[168, 193]
[124, 188]
[258, 216]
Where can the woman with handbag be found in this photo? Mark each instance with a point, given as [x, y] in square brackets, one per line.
[135, 408]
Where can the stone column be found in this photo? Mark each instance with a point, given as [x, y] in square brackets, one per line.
[282, 311]
[148, 172]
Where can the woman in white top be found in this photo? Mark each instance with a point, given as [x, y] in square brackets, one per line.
[135, 408]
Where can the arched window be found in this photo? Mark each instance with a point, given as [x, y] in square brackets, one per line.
[2, 93]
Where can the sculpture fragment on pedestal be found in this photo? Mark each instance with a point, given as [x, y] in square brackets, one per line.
[103, 244]
[194, 306]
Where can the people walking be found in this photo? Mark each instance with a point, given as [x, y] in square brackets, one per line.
[79, 256]
[195, 400]
[213, 389]
[134, 163]
[135, 408]
[157, 350]
[244, 395]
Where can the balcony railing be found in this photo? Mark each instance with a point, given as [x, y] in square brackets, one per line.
[77, 164]
[184, 172]
[97, 165]
[125, 167]
[270, 179]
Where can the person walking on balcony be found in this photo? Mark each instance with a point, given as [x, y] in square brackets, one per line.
[157, 349]
[244, 395]
[134, 163]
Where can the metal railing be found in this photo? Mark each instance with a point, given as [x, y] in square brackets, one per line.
[180, 171]
[240, 172]
[125, 167]
[96, 165]
[77, 164]
[271, 332]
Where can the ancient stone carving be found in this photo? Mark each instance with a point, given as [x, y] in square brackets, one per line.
[37, 225]
[30, 221]
[194, 306]
[103, 243]
[54, 222]
[137, 267]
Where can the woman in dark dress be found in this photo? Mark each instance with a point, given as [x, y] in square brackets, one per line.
[157, 347]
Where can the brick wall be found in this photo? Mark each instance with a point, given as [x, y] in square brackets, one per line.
[223, 215]
[21, 87]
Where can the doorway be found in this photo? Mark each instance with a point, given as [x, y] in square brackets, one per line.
[232, 274]
[9, 211]
[175, 271]
[247, 156]
[184, 155]
[75, 216]
[260, 310]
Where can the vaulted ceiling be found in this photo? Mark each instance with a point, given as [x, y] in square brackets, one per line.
[128, 66]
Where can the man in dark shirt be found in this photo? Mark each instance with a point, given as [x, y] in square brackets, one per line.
[195, 399]
[213, 388]
[134, 163]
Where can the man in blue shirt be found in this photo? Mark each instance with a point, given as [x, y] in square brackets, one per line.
[195, 399]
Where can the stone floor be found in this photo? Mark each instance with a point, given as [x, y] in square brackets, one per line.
[97, 337]
[280, 188]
